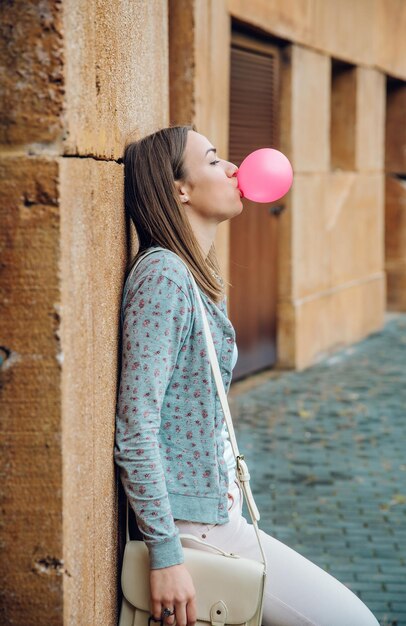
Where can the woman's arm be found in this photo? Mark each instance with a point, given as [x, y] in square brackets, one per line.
[156, 321]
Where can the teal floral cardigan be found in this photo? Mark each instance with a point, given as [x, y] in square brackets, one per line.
[168, 442]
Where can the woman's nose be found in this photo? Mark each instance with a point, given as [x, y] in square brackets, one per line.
[231, 169]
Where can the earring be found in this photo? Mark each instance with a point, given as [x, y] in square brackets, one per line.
[185, 199]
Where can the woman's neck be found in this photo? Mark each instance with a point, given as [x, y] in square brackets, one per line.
[205, 233]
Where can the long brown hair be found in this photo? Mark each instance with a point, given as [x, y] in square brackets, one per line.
[151, 166]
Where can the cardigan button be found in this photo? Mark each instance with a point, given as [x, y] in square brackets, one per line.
[203, 536]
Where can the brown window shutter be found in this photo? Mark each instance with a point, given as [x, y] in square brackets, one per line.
[253, 107]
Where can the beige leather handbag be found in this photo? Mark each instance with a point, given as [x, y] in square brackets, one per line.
[229, 588]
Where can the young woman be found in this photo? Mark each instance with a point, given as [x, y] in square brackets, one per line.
[172, 446]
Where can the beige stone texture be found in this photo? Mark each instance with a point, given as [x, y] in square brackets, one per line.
[357, 311]
[337, 319]
[311, 254]
[286, 335]
[355, 226]
[31, 62]
[346, 29]
[116, 73]
[370, 120]
[212, 104]
[310, 117]
[182, 62]
[334, 225]
[93, 260]
[199, 58]
[366, 32]
[395, 242]
[31, 469]
[389, 39]
[290, 19]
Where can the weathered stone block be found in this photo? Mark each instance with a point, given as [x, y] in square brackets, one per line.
[312, 319]
[31, 63]
[338, 318]
[93, 261]
[334, 26]
[116, 67]
[370, 125]
[310, 123]
[182, 60]
[31, 396]
[286, 335]
[310, 236]
[292, 19]
[355, 226]
[389, 39]
[357, 311]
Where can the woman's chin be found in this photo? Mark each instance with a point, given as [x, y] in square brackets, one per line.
[240, 208]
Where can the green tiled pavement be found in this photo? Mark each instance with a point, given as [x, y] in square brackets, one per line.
[326, 448]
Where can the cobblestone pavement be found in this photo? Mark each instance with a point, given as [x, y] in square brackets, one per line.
[326, 449]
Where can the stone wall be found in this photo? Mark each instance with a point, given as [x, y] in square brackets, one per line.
[81, 79]
[334, 293]
[31, 58]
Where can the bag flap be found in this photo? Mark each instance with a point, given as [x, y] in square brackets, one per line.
[238, 582]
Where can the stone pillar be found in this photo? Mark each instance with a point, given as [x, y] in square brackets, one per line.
[31, 60]
[81, 79]
[199, 79]
[304, 253]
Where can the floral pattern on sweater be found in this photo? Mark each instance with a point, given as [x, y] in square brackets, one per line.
[169, 419]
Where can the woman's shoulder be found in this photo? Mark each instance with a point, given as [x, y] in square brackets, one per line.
[161, 262]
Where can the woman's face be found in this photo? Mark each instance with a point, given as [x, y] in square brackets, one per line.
[210, 190]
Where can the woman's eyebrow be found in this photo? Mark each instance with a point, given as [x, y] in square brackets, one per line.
[211, 150]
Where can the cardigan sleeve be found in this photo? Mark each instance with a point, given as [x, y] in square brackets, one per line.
[156, 320]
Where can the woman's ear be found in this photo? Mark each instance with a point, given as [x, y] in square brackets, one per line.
[182, 191]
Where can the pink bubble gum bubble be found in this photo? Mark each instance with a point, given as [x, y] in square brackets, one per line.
[265, 175]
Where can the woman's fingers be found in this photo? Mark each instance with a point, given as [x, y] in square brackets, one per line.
[156, 610]
[180, 610]
[185, 614]
[191, 612]
[172, 588]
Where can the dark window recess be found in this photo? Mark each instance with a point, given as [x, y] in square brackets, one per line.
[395, 127]
[343, 115]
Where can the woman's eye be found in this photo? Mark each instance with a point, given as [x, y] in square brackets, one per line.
[215, 162]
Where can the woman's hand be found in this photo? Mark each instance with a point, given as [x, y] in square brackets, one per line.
[172, 587]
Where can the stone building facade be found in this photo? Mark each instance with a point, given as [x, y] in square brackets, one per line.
[80, 79]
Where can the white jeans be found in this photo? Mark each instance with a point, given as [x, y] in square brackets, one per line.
[297, 591]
